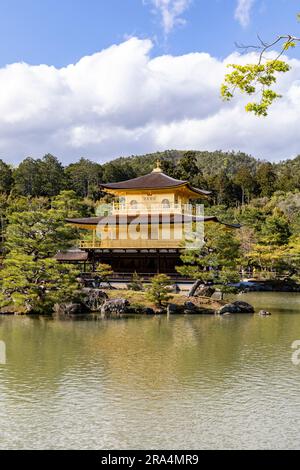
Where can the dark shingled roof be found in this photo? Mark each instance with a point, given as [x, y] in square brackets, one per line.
[153, 180]
[146, 219]
[71, 256]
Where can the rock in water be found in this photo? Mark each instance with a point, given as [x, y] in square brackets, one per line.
[264, 313]
[68, 309]
[192, 309]
[174, 309]
[114, 308]
[94, 299]
[236, 307]
[148, 311]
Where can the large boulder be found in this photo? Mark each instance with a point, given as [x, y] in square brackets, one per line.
[93, 299]
[114, 308]
[68, 309]
[194, 287]
[174, 309]
[173, 289]
[236, 307]
[192, 309]
[148, 311]
[204, 291]
[105, 285]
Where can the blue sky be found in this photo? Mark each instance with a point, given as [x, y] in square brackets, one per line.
[60, 32]
[101, 79]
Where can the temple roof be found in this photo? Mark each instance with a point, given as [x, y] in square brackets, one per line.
[152, 181]
[145, 219]
[71, 255]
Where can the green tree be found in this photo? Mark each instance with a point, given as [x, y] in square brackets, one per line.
[72, 205]
[28, 178]
[27, 204]
[225, 191]
[158, 292]
[39, 234]
[52, 175]
[217, 261]
[245, 180]
[266, 178]
[6, 179]
[118, 171]
[104, 271]
[218, 257]
[136, 283]
[3, 216]
[276, 230]
[35, 285]
[84, 177]
[187, 166]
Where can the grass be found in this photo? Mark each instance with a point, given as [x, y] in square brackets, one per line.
[139, 298]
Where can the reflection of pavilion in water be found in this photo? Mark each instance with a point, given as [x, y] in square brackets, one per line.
[143, 229]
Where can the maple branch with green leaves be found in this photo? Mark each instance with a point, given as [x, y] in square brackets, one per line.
[258, 79]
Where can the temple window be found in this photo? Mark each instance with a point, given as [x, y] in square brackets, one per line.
[165, 203]
[133, 204]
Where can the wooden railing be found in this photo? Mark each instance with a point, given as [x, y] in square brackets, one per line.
[153, 208]
[130, 244]
[90, 244]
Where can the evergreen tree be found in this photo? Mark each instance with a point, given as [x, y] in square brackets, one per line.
[104, 271]
[35, 285]
[72, 205]
[266, 179]
[158, 292]
[218, 259]
[84, 177]
[187, 166]
[276, 230]
[52, 174]
[39, 234]
[28, 179]
[118, 171]
[136, 283]
[245, 180]
[6, 179]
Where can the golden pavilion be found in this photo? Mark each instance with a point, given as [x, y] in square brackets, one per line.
[141, 231]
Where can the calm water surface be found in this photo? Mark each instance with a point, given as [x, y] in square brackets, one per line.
[187, 383]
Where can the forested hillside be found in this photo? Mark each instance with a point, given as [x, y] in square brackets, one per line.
[261, 196]
[234, 178]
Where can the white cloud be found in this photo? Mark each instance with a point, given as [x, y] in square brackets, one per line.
[243, 11]
[170, 12]
[121, 102]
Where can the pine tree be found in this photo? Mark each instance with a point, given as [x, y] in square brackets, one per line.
[218, 259]
[158, 292]
[35, 285]
[40, 233]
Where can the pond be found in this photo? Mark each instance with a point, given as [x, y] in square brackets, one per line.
[195, 382]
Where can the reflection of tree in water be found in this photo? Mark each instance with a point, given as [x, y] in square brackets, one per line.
[153, 354]
[40, 351]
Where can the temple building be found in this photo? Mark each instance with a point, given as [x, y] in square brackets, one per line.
[142, 229]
